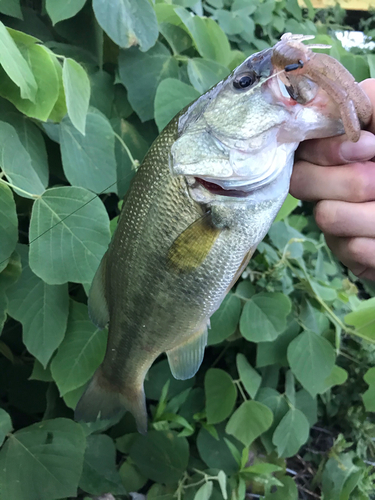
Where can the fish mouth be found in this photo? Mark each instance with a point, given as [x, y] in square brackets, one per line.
[216, 189]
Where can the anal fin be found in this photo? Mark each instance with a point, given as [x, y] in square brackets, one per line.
[98, 307]
[185, 359]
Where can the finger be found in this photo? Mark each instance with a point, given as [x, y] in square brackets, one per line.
[340, 218]
[369, 87]
[337, 150]
[353, 183]
[358, 254]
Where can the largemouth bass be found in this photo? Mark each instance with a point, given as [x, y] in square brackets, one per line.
[203, 198]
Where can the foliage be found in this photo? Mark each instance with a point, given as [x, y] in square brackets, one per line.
[85, 88]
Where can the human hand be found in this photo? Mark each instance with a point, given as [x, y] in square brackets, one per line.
[340, 176]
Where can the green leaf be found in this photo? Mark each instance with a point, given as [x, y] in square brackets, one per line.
[287, 207]
[282, 236]
[209, 38]
[215, 453]
[17, 164]
[89, 160]
[5, 425]
[249, 421]
[47, 455]
[249, 377]
[308, 406]
[221, 395]
[161, 456]
[130, 476]
[225, 320]
[128, 22]
[77, 93]
[99, 472]
[279, 407]
[42, 63]
[42, 309]
[40, 373]
[291, 433]
[204, 492]
[11, 8]
[363, 319]
[8, 225]
[69, 230]
[178, 39]
[9, 275]
[58, 11]
[15, 65]
[222, 479]
[313, 319]
[311, 359]
[289, 491]
[269, 353]
[81, 351]
[157, 64]
[338, 376]
[264, 316]
[171, 96]
[205, 74]
[340, 477]
[158, 375]
[369, 396]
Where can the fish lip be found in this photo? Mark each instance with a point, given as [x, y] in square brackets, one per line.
[218, 190]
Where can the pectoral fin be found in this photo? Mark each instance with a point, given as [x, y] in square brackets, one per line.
[191, 248]
[98, 308]
[185, 360]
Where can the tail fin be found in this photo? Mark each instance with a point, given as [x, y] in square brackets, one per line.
[99, 401]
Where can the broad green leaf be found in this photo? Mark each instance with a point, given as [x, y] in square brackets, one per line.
[289, 491]
[338, 376]
[42, 63]
[40, 373]
[138, 148]
[77, 93]
[103, 92]
[249, 377]
[222, 479]
[5, 425]
[311, 359]
[312, 318]
[157, 64]
[230, 22]
[249, 421]
[269, 353]
[205, 74]
[215, 452]
[8, 276]
[161, 456]
[204, 492]
[177, 37]
[363, 319]
[369, 396]
[128, 22]
[59, 109]
[17, 164]
[285, 239]
[69, 230]
[171, 96]
[209, 38]
[291, 433]
[42, 309]
[276, 402]
[225, 320]
[158, 376]
[81, 351]
[245, 289]
[264, 316]
[43, 461]
[357, 65]
[11, 8]
[8, 225]
[89, 160]
[131, 478]
[308, 406]
[287, 208]
[221, 395]
[340, 477]
[15, 65]
[99, 467]
[58, 11]
[31, 138]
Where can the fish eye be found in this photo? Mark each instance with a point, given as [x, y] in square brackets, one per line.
[244, 81]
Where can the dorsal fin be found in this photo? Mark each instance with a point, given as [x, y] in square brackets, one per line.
[190, 249]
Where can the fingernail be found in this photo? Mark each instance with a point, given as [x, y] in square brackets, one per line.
[364, 149]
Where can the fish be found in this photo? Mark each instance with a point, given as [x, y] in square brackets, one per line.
[204, 197]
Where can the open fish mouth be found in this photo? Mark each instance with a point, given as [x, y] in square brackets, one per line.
[218, 190]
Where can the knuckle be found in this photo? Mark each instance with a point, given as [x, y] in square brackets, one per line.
[358, 184]
[356, 250]
[324, 214]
